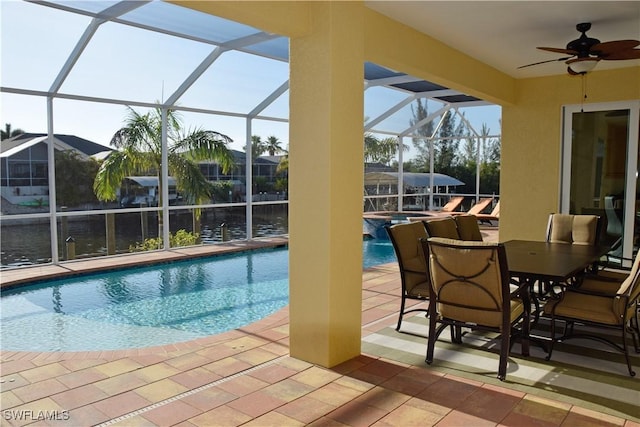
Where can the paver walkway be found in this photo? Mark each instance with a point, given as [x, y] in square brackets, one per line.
[246, 377]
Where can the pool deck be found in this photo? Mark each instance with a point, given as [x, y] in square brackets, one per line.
[246, 377]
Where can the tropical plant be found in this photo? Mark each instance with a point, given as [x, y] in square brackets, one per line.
[258, 147]
[8, 132]
[139, 151]
[420, 112]
[180, 239]
[380, 150]
[272, 146]
[73, 178]
[221, 190]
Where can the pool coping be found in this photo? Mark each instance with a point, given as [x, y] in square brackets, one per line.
[22, 276]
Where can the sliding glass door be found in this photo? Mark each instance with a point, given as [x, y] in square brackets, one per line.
[600, 170]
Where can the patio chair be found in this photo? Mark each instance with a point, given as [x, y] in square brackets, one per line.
[405, 238]
[477, 208]
[595, 310]
[468, 227]
[493, 216]
[470, 287]
[442, 227]
[574, 229]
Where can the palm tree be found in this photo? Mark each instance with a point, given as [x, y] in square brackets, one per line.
[257, 146]
[8, 132]
[273, 145]
[139, 145]
[380, 150]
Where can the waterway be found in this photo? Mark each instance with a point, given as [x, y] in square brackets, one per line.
[25, 242]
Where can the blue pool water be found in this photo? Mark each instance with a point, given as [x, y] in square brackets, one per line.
[155, 305]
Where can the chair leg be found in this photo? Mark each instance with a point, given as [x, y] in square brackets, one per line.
[456, 334]
[634, 328]
[504, 355]
[402, 300]
[553, 337]
[431, 342]
[626, 351]
[525, 340]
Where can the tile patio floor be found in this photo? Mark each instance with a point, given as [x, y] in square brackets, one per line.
[246, 377]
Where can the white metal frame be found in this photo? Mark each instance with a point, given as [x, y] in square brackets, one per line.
[115, 14]
[631, 166]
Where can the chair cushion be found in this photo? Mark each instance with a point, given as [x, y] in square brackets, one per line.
[561, 228]
[584, 230]
[601, 285]
[481, 317]
[468, 228]
[406, 237]
[585, 307]
[443, 227]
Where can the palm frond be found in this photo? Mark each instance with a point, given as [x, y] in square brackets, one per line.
[112, 172]
[207, 145]
[189, 179]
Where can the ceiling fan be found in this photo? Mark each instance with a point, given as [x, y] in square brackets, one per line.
[585, 52]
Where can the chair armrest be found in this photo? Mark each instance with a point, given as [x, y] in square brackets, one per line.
[602, 278]
[591, 292]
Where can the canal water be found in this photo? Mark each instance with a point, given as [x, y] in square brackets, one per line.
[26, 242]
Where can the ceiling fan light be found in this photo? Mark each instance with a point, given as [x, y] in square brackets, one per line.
[582, 65]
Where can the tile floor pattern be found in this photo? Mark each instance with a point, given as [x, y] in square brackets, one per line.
[246, 377]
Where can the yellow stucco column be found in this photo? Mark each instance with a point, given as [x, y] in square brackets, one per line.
[325, 184]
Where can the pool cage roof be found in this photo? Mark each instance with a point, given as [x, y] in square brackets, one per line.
[205, 47]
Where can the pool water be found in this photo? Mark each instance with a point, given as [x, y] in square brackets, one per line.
[156, 305]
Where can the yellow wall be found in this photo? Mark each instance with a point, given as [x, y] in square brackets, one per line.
[531, 144]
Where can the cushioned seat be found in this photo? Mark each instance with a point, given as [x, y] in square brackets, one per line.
[588, 305]
[405, 238]
[442, 227]
[470, 287]
[468, 227]
[573, 229]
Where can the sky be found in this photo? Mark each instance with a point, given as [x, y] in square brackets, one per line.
[126, 63]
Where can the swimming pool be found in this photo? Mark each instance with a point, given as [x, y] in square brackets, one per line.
[156, 305]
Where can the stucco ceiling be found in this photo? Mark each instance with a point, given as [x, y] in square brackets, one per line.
[505, 34]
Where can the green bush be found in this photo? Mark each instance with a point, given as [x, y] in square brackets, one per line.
[181, 238]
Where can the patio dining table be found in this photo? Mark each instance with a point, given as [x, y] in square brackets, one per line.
[544, 262]
[536, 260]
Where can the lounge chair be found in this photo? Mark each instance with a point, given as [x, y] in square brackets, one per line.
[477, 208]
[452, 204]
[493, 216]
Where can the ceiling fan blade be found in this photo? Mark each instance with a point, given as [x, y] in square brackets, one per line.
[609, 48]
[622, 55]
[558, 50]
[544, 62]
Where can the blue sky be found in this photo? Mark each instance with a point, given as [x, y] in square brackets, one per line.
[127, 63]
